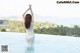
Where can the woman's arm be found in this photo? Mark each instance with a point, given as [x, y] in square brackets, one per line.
[31, 11]
[25, 12]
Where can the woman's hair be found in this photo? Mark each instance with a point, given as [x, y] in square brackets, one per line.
[28, 19]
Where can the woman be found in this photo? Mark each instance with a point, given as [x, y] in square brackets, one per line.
[29, 22]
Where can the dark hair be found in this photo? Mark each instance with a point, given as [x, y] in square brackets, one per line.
[28, 19]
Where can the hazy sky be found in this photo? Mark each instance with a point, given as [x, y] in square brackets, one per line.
[40, 7]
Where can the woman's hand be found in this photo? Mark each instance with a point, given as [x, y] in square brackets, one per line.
[30, 6]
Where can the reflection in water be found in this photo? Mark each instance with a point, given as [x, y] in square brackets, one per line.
[29, 50]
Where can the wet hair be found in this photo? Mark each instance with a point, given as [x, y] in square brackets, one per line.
[28, 19]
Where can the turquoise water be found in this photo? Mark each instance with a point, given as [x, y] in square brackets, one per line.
[43, 43]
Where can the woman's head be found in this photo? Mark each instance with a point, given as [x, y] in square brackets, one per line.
[28, 19]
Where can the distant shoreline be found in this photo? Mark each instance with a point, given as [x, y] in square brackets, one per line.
[60, 21]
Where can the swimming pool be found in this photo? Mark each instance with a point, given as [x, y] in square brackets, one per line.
[43, 43]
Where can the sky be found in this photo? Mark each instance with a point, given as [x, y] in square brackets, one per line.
[40, 7]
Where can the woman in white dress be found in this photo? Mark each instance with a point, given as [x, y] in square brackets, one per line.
[29, 24]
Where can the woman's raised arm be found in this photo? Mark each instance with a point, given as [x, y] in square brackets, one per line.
[25, 12]
[28, 10]
[31, 10]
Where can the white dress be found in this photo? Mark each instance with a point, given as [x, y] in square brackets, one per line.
[30, 35]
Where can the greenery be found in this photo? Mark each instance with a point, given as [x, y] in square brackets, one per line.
[43, 28]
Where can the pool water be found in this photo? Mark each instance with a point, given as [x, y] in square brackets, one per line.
[43, 43]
